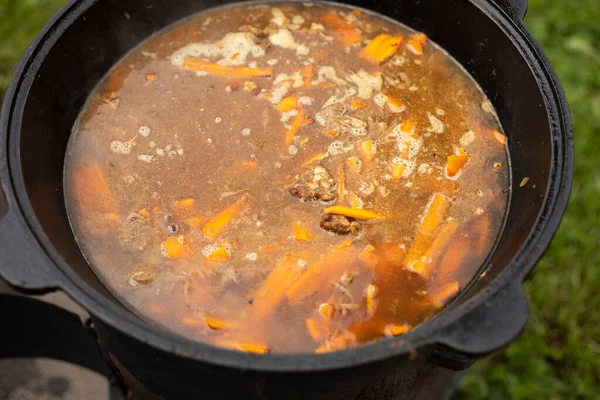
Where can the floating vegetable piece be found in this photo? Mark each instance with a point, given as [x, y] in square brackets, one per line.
[357, 213]
[455, 164]
[381, 48]
[217, 225]
[301, 234]
[174, 247]
[273, 289]
[499, 136]
[224, 70]
[294, 126]
[367, 149]
[341, 30]
[415, 45]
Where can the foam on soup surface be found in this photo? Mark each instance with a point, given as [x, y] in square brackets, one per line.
[290, 178]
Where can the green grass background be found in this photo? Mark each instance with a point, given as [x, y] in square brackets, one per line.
[558, 355]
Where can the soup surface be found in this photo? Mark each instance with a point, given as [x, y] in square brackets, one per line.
[289, 178]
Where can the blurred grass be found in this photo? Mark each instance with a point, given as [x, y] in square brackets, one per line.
[558, 355]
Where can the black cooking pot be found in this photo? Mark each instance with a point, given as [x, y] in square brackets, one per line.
[38, 251]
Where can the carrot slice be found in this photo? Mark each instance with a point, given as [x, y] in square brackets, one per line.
[91, 188]
[294, 126]
[424, 264]
[288, 104]
[395, 104]
[381, 48]
[149, 79]
[455, 164]
[217, 225]
[366, 147]
[254, 348]
[220, 254]
[174, 247]
[371, 303]
[396, 330]
[415, 45]
[313, 159]
[326, 310]
[436, 211]
[217, 324]
[500, 137]
[308, 121]
[343, 32]
[440, 295]
[273, 290]
[408, 126]
[301, 234]
[330, 132]
[224, 70]
[357, 213]
[397, 170]
[355, 164]
[318, 280]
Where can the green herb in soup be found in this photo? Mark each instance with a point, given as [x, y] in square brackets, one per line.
[289, 178]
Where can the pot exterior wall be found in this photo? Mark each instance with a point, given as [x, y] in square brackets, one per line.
[153, 374]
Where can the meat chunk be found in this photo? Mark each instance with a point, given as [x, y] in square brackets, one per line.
[339, 224]
[316, 185]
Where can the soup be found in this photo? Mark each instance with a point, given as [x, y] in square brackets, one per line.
[292, 178]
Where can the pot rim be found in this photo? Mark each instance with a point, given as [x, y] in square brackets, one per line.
[554, 204]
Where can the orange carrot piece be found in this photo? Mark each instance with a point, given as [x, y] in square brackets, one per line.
[355, 164]
[91, 188]
[220, 254]
[185, 204]
[440, 295]
[395, 104]
[195, 221]
[436, 211]
[224, 70]
[425, 263]
[341, 183]
[381, 48]
[371, 303]
[397, 170]
[343, 32]
[288, 104]
[355, 201]
[396, 330]
[273, 290]
[415, 45]
[217, 324]
[455, 164]
[357, 103]
[313, 159]
[326, 310]
[366, 147]
[308, 121]
[330, 132]
[319, 278]
[149, 79]
[294, 126]
[301, 234]
[144, 213]
[357, 213]
[408, 126]
[254, 348]
[174, 247]
[500, 137]
[217, 225]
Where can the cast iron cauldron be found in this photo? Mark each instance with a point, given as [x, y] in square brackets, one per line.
[38, 251]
